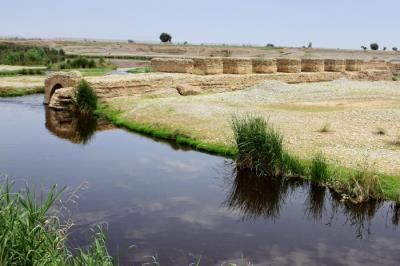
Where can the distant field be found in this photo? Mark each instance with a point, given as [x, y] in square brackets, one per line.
[15, 68]
[121, 48]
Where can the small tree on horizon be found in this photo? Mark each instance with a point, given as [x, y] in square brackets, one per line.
[374, 46]
[165, 37]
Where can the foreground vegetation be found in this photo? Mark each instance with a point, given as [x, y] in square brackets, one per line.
[14, 92]
[30, 235]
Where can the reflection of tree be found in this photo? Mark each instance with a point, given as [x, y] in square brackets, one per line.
[255, 196]
[76, 128]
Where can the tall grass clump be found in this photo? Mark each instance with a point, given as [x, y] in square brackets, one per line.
[85, 98]
[319, 169]
[361, 186]
[30, 235]
[259, 146]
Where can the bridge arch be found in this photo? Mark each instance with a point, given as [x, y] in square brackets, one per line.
[59, 80]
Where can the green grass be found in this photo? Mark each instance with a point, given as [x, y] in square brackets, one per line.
[14, 92]
[115, 117]
[87, 72]
[139, 70]
[259, 145]
[292, 165]
[20, 72]
[30, 235]
[85, 98]
[319, 169]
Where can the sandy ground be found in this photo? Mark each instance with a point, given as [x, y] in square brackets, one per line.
[352, 110]
[20, 82]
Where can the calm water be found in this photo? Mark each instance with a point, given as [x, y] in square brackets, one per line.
[179, 204]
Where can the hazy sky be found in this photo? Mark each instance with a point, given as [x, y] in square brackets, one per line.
[335, 23]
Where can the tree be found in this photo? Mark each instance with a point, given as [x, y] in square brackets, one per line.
[394, 49]
[309, 45]
[364, 48]
[165, 37]
[374, 46]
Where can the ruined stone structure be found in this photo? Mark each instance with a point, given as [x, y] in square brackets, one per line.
[395, 68]
[312, 65]
[202, 75]
[335, 65]
[264, 66]
[60, 80]
[208, 66]
[237, 66]
[354, 65]
[172, 65]
[288, 65]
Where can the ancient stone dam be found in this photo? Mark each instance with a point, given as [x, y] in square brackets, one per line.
[191, 76]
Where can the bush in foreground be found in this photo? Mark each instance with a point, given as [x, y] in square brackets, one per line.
[85, 98]
[259, 146]
[30, 236]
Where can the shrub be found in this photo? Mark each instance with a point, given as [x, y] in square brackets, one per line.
[325, 128]
[364, 47]
[319, 169]
[165, 37]
[85, 98]
[374, 46]
[364, 185]
[394, 49]
[259, 146]
[270, 45]
[380, 131]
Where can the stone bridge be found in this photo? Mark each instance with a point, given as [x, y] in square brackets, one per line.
[200, 75]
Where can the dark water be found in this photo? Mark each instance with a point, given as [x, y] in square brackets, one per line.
[180, 205]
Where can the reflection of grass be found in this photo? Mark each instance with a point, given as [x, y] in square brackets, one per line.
[13, 92]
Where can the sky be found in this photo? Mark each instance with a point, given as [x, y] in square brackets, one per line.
[330, 24]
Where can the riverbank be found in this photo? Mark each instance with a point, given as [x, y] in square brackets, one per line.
[341, 119]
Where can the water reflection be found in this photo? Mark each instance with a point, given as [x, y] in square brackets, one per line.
[254, 197]
[78, 129]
